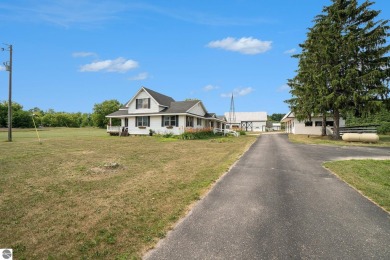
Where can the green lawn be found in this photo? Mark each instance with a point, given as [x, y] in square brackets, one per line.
[58, 200]
[371, 177]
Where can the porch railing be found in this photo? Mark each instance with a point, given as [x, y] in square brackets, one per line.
[114, 129]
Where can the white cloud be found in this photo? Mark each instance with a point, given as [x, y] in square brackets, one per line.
[141, 76]
[283, 88]
[83, 54]
[210, 87]
[118, 65]
[64, 13]
[291, 51]
[238, 92]
[243, 91]
[245, 45]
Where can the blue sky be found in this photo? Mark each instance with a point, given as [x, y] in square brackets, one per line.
[69, 55]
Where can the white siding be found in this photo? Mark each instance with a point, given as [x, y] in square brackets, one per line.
[131, 122]
[155, 125]
[154, 107]
[202, 123]
[259, 126]
[296, 127]
[182, 121]
[197, 110]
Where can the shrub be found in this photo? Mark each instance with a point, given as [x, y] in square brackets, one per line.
[384, 128]
[168, 135]
[192, 134]
[242, 132]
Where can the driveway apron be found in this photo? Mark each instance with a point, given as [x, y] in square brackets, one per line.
[278, 202]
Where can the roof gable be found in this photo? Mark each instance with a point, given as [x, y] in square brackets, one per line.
[198, 109]
[161, 99]
[286, 116]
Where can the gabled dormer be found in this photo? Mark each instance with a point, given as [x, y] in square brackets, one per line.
[148, 101]
[198, 109]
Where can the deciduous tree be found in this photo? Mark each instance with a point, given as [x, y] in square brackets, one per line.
[100, 111]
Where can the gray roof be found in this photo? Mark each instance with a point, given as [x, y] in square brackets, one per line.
[210, 115]
[247, 116]
[119, 113]
[160, 98]
[180, 106]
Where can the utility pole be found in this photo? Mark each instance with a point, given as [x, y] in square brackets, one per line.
[8, 67]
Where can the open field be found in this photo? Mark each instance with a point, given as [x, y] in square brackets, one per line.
[58, 200]
[370, 177]
[384, 141]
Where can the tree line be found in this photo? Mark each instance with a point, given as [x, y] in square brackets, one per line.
[343, 68]
[381, 119]
[22, 118]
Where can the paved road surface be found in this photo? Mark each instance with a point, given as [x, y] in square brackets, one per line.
[278, 202]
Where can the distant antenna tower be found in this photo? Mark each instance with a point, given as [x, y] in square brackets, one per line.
[232, 112]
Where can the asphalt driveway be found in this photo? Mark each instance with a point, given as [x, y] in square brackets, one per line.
[278, 202]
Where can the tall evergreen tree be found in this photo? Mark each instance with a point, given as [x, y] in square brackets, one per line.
[310, 86]
[346, 52]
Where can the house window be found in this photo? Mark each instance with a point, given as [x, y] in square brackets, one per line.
[169, 121]
[329, 123]
[199, 121]
[142, 103]
[189, 121]
[318, 123]
[308, 123]
[142, 121]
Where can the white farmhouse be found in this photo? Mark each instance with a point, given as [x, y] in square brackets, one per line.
[247, 121]
[313, 127]
[149, 110]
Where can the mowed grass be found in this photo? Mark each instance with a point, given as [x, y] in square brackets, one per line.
[384, 140]
[371, 177]
[59, 201]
